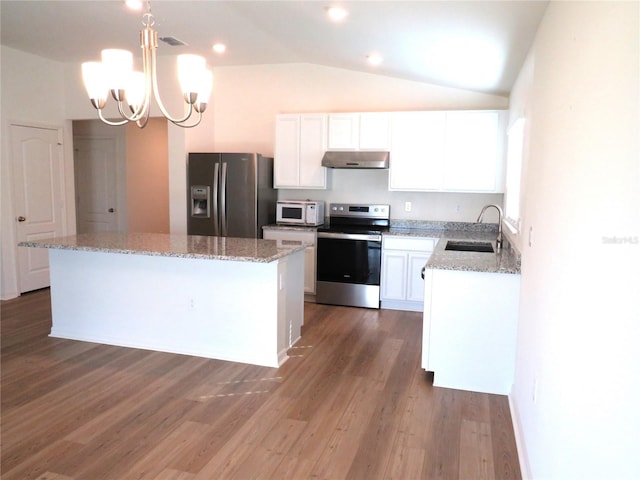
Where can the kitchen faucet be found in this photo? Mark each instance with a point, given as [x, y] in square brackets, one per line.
[500, 214]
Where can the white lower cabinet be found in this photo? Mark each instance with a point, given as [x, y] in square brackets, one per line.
[401, 284]
[469, 329]
[296, 237]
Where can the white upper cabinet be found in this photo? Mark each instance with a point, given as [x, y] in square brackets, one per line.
[474, 152]
[375, 131]
[454, 151]
[417, 151]
[359, 131]
[301, 141]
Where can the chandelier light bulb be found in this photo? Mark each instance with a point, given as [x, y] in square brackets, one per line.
[118, 65]
[135, 91]
[204, 90]
[190, 71]
[93, 76]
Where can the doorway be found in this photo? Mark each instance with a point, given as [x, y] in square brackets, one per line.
[122, 177]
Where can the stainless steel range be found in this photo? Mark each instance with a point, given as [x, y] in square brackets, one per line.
[349, 253]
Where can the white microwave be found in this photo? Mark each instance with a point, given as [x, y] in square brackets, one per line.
[299, 212]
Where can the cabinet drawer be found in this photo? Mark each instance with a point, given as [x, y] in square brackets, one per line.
[292, 236]
[408, 243]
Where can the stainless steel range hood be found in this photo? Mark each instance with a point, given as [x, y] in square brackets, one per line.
[356, 160]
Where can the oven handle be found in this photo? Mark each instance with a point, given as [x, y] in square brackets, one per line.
[351, 236]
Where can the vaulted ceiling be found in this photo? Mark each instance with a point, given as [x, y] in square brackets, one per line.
[477, 45]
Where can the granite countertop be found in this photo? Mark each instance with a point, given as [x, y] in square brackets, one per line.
[505, 261]
[172, 245]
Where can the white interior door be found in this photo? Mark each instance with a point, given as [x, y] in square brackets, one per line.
[95, 170]
[38, 171]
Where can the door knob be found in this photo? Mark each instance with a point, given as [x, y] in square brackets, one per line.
[111, 210]
[21, 218]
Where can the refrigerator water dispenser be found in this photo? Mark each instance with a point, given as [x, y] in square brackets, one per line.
[200, 195]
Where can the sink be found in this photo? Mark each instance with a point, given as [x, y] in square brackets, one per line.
[468, 246]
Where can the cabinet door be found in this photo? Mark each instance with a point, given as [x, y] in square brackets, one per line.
[417, 151]
[313, 143]
[374, 131]
[393, 275]
[472, 162]
[415, 283]
[310, 270]
[287, 151]
[343, 131]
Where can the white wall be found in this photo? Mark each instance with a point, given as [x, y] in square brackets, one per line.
[579, 331]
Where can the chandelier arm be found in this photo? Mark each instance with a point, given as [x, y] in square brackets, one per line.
[189, 126]
[124, 115]
[154, 80]
[143, 122]
[108, 122]
[143, 109]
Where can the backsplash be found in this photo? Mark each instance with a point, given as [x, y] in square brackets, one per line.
[438, 226]
[371, 186]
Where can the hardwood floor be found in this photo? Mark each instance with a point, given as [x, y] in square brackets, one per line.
[351, 403]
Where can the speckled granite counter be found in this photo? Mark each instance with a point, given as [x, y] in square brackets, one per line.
[167, 245]
[505, 261]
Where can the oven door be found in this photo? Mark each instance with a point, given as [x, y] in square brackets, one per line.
[348, 269]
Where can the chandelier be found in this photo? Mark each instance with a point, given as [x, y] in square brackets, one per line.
[133, 90]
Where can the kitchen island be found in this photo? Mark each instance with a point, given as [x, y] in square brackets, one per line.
[234, 299]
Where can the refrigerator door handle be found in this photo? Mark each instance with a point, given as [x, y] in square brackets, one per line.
[223, 200]
[214, 199]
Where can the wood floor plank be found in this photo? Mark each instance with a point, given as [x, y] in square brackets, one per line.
[170, 474]
[177, 443]
[502, 438]
[476, 451]
[351, 403]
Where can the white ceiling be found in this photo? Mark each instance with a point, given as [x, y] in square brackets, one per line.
[479, 45]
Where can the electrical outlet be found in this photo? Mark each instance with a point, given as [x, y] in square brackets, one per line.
[531, 236]
[407, 206]
[191, 305]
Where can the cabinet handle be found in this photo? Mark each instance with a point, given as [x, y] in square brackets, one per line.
[422, 272]
[21, 218]
[111, 210]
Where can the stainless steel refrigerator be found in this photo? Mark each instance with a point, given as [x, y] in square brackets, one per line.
[230, 194]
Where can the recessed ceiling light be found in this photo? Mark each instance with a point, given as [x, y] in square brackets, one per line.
[337, 14]
[134, 4]
[374, 59]
[219, 47]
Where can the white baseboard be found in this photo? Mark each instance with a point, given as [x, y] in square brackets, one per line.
[523, 458]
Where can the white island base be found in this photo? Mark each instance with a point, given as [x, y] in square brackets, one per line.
[241, 311]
